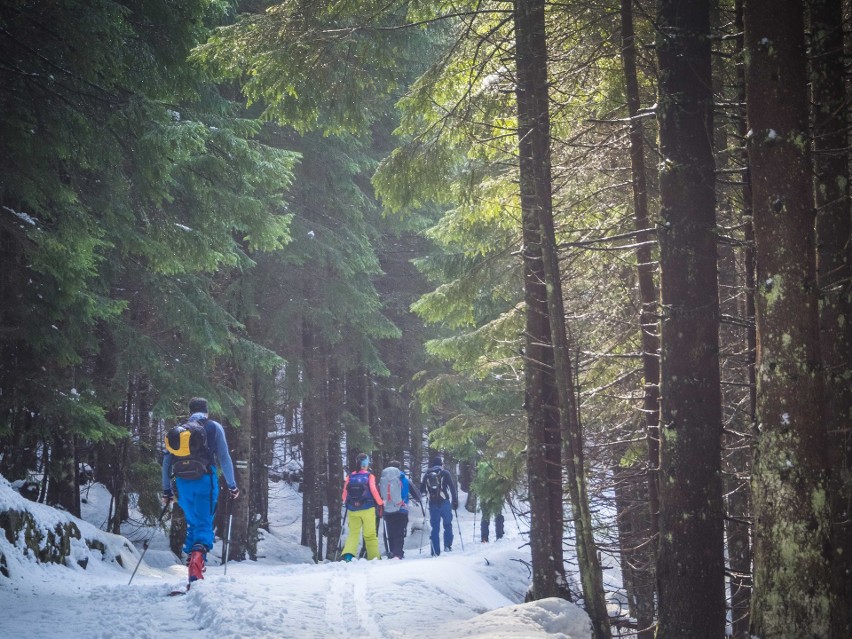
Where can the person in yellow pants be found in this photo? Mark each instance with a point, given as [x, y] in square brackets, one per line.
[362, 498]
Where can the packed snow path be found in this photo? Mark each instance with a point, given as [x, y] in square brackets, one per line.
[438, 598]
[465, 593]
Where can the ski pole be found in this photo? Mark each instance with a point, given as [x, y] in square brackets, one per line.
[385, 532]
[459, 525]
[228, 541]
[148, 541]
[422, 529]
[340, 535]
[473, 538]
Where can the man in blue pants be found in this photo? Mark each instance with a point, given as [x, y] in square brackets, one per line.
[438, 484]
[198, 496]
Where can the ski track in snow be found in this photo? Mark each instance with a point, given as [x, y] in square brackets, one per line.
[334, 605]
[282, 596]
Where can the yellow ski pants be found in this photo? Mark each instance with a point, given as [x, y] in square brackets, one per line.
[362, 521]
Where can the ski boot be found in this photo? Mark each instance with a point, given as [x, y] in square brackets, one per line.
[196, 561]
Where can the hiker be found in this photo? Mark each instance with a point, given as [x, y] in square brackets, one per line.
[194, 452]
[439, 486]
[361, 498]
[493, 489]
[489, 509]
[395, 488]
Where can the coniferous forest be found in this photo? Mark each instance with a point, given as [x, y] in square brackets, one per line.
[596, 252]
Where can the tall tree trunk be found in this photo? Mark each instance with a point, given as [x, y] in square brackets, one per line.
[20, 448]
[690, 569]
[113, 457]
[336, 471]
[544, 457]
[243, 537]
[834, 276]
[632, 512]
[177, 530]
[314, 442]
[737, 529]
[258, 482]
[63, 487]
[536, 189]
[648, 316]
[263, 425]
[789, 477]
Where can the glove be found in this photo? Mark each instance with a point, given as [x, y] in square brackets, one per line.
[235, 492]
[455, 505]
[168, 497]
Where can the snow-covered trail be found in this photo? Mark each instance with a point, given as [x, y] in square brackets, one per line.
[376, 600]
[472, 592]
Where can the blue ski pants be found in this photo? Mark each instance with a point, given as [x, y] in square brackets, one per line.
[438, 513]
[197, 498]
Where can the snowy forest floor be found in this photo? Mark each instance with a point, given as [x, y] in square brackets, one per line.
[475, 591]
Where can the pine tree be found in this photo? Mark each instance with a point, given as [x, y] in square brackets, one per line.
[690, 567]
[790, 473]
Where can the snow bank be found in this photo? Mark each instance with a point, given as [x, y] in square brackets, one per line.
[551, 617]
[36, 535]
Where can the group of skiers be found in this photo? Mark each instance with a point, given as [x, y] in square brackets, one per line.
[366, 503]
[197, 448]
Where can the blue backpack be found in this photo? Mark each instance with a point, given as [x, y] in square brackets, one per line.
[358, 495]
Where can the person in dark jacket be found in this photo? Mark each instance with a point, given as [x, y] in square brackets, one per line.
[198, 497]
[438, 485]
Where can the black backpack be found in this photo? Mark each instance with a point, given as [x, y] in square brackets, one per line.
[433, 485]
[187, 443]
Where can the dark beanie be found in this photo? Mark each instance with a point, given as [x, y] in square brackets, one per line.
[436, 461]
[198, 405]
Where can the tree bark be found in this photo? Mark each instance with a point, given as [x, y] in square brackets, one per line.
[263, 424]
[737, 529]
[536, 190]
[63, 487]
[648, 316]
[631, 502]
[243, 537]
[314, 442]
[791, 595]
[834, 276]
[690, 569]
[544, 463]
[336, 471]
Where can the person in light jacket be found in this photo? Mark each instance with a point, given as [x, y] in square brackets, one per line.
[395, 490]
